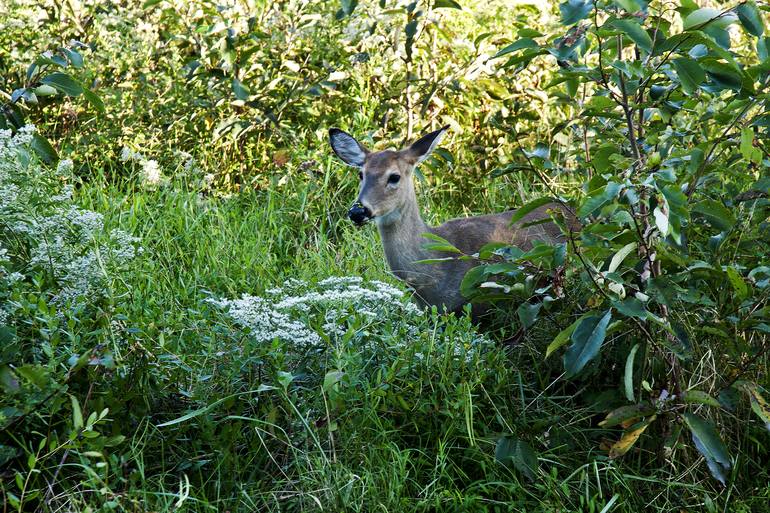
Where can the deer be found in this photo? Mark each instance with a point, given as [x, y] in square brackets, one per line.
[387, 197]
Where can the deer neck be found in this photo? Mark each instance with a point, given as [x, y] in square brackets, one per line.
[401, 233]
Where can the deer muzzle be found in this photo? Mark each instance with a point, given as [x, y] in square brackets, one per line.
[359, 214]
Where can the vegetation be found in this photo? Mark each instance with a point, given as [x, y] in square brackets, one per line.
[188, 322]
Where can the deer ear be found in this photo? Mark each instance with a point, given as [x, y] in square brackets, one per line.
[350, 151]
[422, 148]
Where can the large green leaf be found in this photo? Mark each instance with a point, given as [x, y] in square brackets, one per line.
[241, 91]
[348, 6]
[710, 445]
[64, 83]
[635, 31]
[700, 397]
[527, 313]
[708, 16]
[626, 414]
[451, 4]
[520, 44]
[631, 307]
[598, 198]
[563, 337]
[519, 453]
[586, 341]
[439, 244]
[628, 376]
[44, 149]
[750, 18]
[715, 213]
[94, 100]
[572, 11]
[530, 207]
[690, 74]
[723, 75]
[621, 255]
[631, 6]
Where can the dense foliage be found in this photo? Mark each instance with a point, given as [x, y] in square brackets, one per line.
[673, 249]
[188, 323]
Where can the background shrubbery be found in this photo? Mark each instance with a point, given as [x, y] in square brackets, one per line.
[187, 322]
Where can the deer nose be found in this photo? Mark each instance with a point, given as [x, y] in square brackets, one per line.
[359, 214]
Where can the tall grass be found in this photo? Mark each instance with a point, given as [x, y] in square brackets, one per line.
[412, 428]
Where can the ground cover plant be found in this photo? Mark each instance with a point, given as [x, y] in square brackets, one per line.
[187, 321]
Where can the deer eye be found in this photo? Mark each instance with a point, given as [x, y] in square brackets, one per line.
[393, 179]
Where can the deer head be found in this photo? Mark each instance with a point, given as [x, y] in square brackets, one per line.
[386, 176]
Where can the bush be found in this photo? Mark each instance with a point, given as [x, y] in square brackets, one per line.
[668, 273]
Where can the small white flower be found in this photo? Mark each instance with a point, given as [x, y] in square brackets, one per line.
[151, 173]
[64, 167]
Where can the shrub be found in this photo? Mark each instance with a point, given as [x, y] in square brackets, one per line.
[667, 277]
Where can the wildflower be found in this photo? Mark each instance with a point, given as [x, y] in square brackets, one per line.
[151, 173]
[68, 242]
[64, 167]
[129, 155]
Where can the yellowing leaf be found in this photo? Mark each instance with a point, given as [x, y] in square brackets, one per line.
[629, 438]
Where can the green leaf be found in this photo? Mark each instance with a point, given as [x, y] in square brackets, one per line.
[44, 149]
[710, 445]
[708, 16]
[736, 280]
[626, 414]
[519, 453]
[240, 90]
[64, 83]
[439, 244]
[631, 307]
[563, 337]
[572, 11]
[529, 207]
[348, 6]
[471, 280]
[598, 198]
[77, 413]
[74, 57]
[332, 378]
[628, 377]
[450, 4]
[94, 100]
[635, 31]
[586, 342]
[517, 45]
[750, 18]
[690, 74]
[631, 6]
[205, 409]
[759, 405]
[747, 148]
[716, 214]
[723, 76]
[527, 313]
[618, 258]
[699, 397]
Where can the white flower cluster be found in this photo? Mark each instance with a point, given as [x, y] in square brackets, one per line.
[302, 315]
[43, 230]
[151, 172]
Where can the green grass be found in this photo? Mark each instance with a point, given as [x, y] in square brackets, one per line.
[407, 434]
